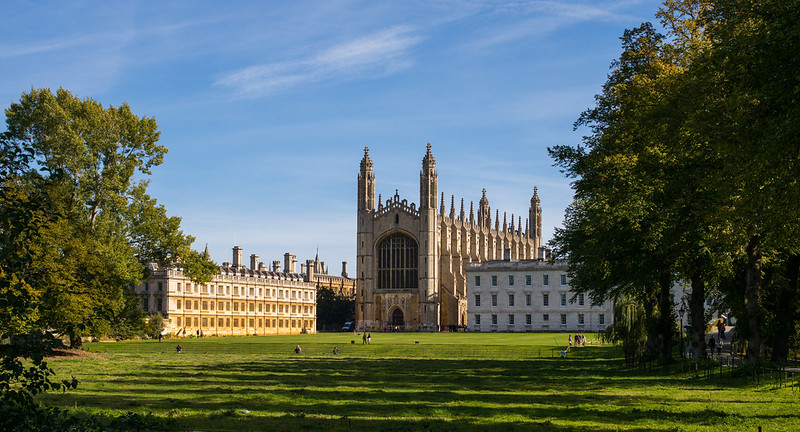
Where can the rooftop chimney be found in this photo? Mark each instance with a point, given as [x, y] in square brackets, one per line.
[237, 256]
[254, 262]
[344, 268]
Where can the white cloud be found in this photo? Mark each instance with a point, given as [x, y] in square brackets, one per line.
[378, 54]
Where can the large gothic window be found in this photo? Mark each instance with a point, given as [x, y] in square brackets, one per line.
[397, 262]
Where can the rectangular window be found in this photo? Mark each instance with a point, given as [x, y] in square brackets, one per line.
[580, 300]
[511, 319]
[220, 322]
[196, 305]
[494, 299]
[205, 305]
[477, 281]
[545, 317]
[510, 280]
[528, 280]
[236, 291]
[545, 280]
[146, 286]
[252, 307]
[178, 306]
[477, 300]
[528, 319]
[601, 319]
[212, 305]
[494, 319]
[205, 322]
[494, 280]
[179, 321]
[236, 322]
[188, 305]
[563, 299]
[236, 306]
[511, 299]
[159, 304]
[179, 287]
[563, 279]
[527, 299]
[580, 319]
[563, 319]
[545, 299]
[160, 286]
[477, 319]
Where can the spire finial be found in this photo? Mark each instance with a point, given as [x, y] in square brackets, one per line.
[461, 215]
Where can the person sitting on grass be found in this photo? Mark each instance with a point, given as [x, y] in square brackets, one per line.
[178, 348]
[297, 349]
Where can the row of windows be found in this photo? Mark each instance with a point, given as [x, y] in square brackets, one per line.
[545, 280]
[601, 318]
[240, 323]
[545, 299]
[244, 307]
[226, 290]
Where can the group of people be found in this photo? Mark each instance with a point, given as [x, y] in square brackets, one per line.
[580, 340]
[366, 338]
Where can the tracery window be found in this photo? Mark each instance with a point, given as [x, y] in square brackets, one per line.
[397, 262]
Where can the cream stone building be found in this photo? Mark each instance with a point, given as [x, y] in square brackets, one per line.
[529, 295]
[410, 262]
[240, 300]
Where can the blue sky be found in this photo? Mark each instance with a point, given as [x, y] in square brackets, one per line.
[266, 107]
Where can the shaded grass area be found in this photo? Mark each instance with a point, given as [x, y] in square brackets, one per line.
[360, 390]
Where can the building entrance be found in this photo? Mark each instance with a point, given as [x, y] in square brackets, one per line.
[397, 318]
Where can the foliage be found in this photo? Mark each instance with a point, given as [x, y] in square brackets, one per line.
[333, 309]
[691, 164]
[628, 328]
[76, 228]
[155, 325]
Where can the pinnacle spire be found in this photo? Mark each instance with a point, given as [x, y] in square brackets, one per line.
[461, 215]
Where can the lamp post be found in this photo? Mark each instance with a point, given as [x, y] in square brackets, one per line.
[681, 310]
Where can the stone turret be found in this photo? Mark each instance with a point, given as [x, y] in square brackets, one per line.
[428, 181]
[366, 184]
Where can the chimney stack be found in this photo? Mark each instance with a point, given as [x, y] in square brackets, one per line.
[276, 266]
[253, 262]
[344, 268]
[289, 263]
[237, 256]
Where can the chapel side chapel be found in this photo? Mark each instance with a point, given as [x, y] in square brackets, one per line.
[411, 260]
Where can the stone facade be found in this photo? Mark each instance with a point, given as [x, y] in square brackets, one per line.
[529, 295]
[410, 261]
[240, 300]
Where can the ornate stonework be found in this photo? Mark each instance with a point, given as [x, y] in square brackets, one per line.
[410, 263]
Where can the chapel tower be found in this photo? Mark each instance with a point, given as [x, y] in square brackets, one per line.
[411, 260]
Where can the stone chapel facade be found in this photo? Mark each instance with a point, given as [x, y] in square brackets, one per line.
[411, 260]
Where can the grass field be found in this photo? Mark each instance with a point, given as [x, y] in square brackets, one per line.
[408, 382]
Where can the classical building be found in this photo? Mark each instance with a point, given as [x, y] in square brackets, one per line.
[410, 263]
[240, 300]
[529, 295]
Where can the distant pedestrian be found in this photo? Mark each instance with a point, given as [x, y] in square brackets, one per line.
[570, 340]
[159, 338]
[711, 345]
[335, 350]
[179, 349]
[364, 339]
[369, 338]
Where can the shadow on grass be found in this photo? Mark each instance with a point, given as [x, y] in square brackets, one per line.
[291, 393]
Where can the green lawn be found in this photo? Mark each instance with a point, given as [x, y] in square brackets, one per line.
[445, 382]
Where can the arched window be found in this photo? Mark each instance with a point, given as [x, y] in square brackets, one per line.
[397, 262]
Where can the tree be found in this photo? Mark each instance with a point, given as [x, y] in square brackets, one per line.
[76, 228]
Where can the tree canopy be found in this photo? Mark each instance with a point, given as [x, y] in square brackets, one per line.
[690, 165]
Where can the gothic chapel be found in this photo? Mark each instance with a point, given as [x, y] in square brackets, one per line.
[410, 262]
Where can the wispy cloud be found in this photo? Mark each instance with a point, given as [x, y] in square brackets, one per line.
[378, 54]
[548, 16]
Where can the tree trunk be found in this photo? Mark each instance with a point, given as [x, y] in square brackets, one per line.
[666, 323]
[697, 317]
[786, 310]
[752, 300]
[75, 341]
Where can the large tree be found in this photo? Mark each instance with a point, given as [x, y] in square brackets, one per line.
[76, 225]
